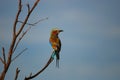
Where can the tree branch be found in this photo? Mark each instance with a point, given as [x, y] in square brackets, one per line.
[28, 6]
[26, 19]
[33, 24]
[15, 36]
[16, 19]
[21, 38]
[40, 20]
[19, 54]
[16, 74]
[35, 4]
[40, 71]
[4, 57]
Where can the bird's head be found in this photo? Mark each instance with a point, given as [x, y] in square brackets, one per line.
[56, 31]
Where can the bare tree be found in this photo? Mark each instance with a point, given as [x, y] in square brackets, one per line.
[17, 36]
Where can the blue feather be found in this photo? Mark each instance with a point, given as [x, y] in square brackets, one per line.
[53, 54]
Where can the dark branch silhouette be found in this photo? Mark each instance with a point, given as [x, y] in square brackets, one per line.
[16, 34]
[4, 57]
[41, 70]
[16, 75]
[17, 16]
[21, 38]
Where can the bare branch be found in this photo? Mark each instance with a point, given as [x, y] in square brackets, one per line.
[40, 71]
[8, 62]
[28, 6]
[26, 19]
[19, 54]
[40, 20]
[16, 74]
[4, 57]
[18, 13]
[33, 24]
[21, 38]
[15, 37]
[27, 23]
[35, 4]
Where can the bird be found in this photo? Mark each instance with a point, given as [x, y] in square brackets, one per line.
[56, 44]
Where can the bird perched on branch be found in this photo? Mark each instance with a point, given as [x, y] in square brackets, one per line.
[56, 44]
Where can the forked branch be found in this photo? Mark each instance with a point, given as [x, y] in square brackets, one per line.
[16, 36]
[21, 38]
[26, 19]
[16, 74]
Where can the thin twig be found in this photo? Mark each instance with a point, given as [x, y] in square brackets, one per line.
[28, 6]
[33, 24]
[4, 57]
[16, 74]
[21, 38]
[40, 20]
[18, 13]
[27, 23]
[19, 54]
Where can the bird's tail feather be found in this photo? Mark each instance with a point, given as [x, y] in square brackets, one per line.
[55, 53]
[57, 59]
[57, 63]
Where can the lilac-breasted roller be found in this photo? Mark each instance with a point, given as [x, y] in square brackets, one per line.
[56, 44]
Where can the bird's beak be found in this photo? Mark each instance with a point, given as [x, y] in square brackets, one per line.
[60, 30]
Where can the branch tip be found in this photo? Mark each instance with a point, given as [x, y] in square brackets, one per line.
[16, 75]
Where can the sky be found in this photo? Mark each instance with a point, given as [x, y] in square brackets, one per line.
[90, 41]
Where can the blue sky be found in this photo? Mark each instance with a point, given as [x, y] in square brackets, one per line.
[90, 41]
